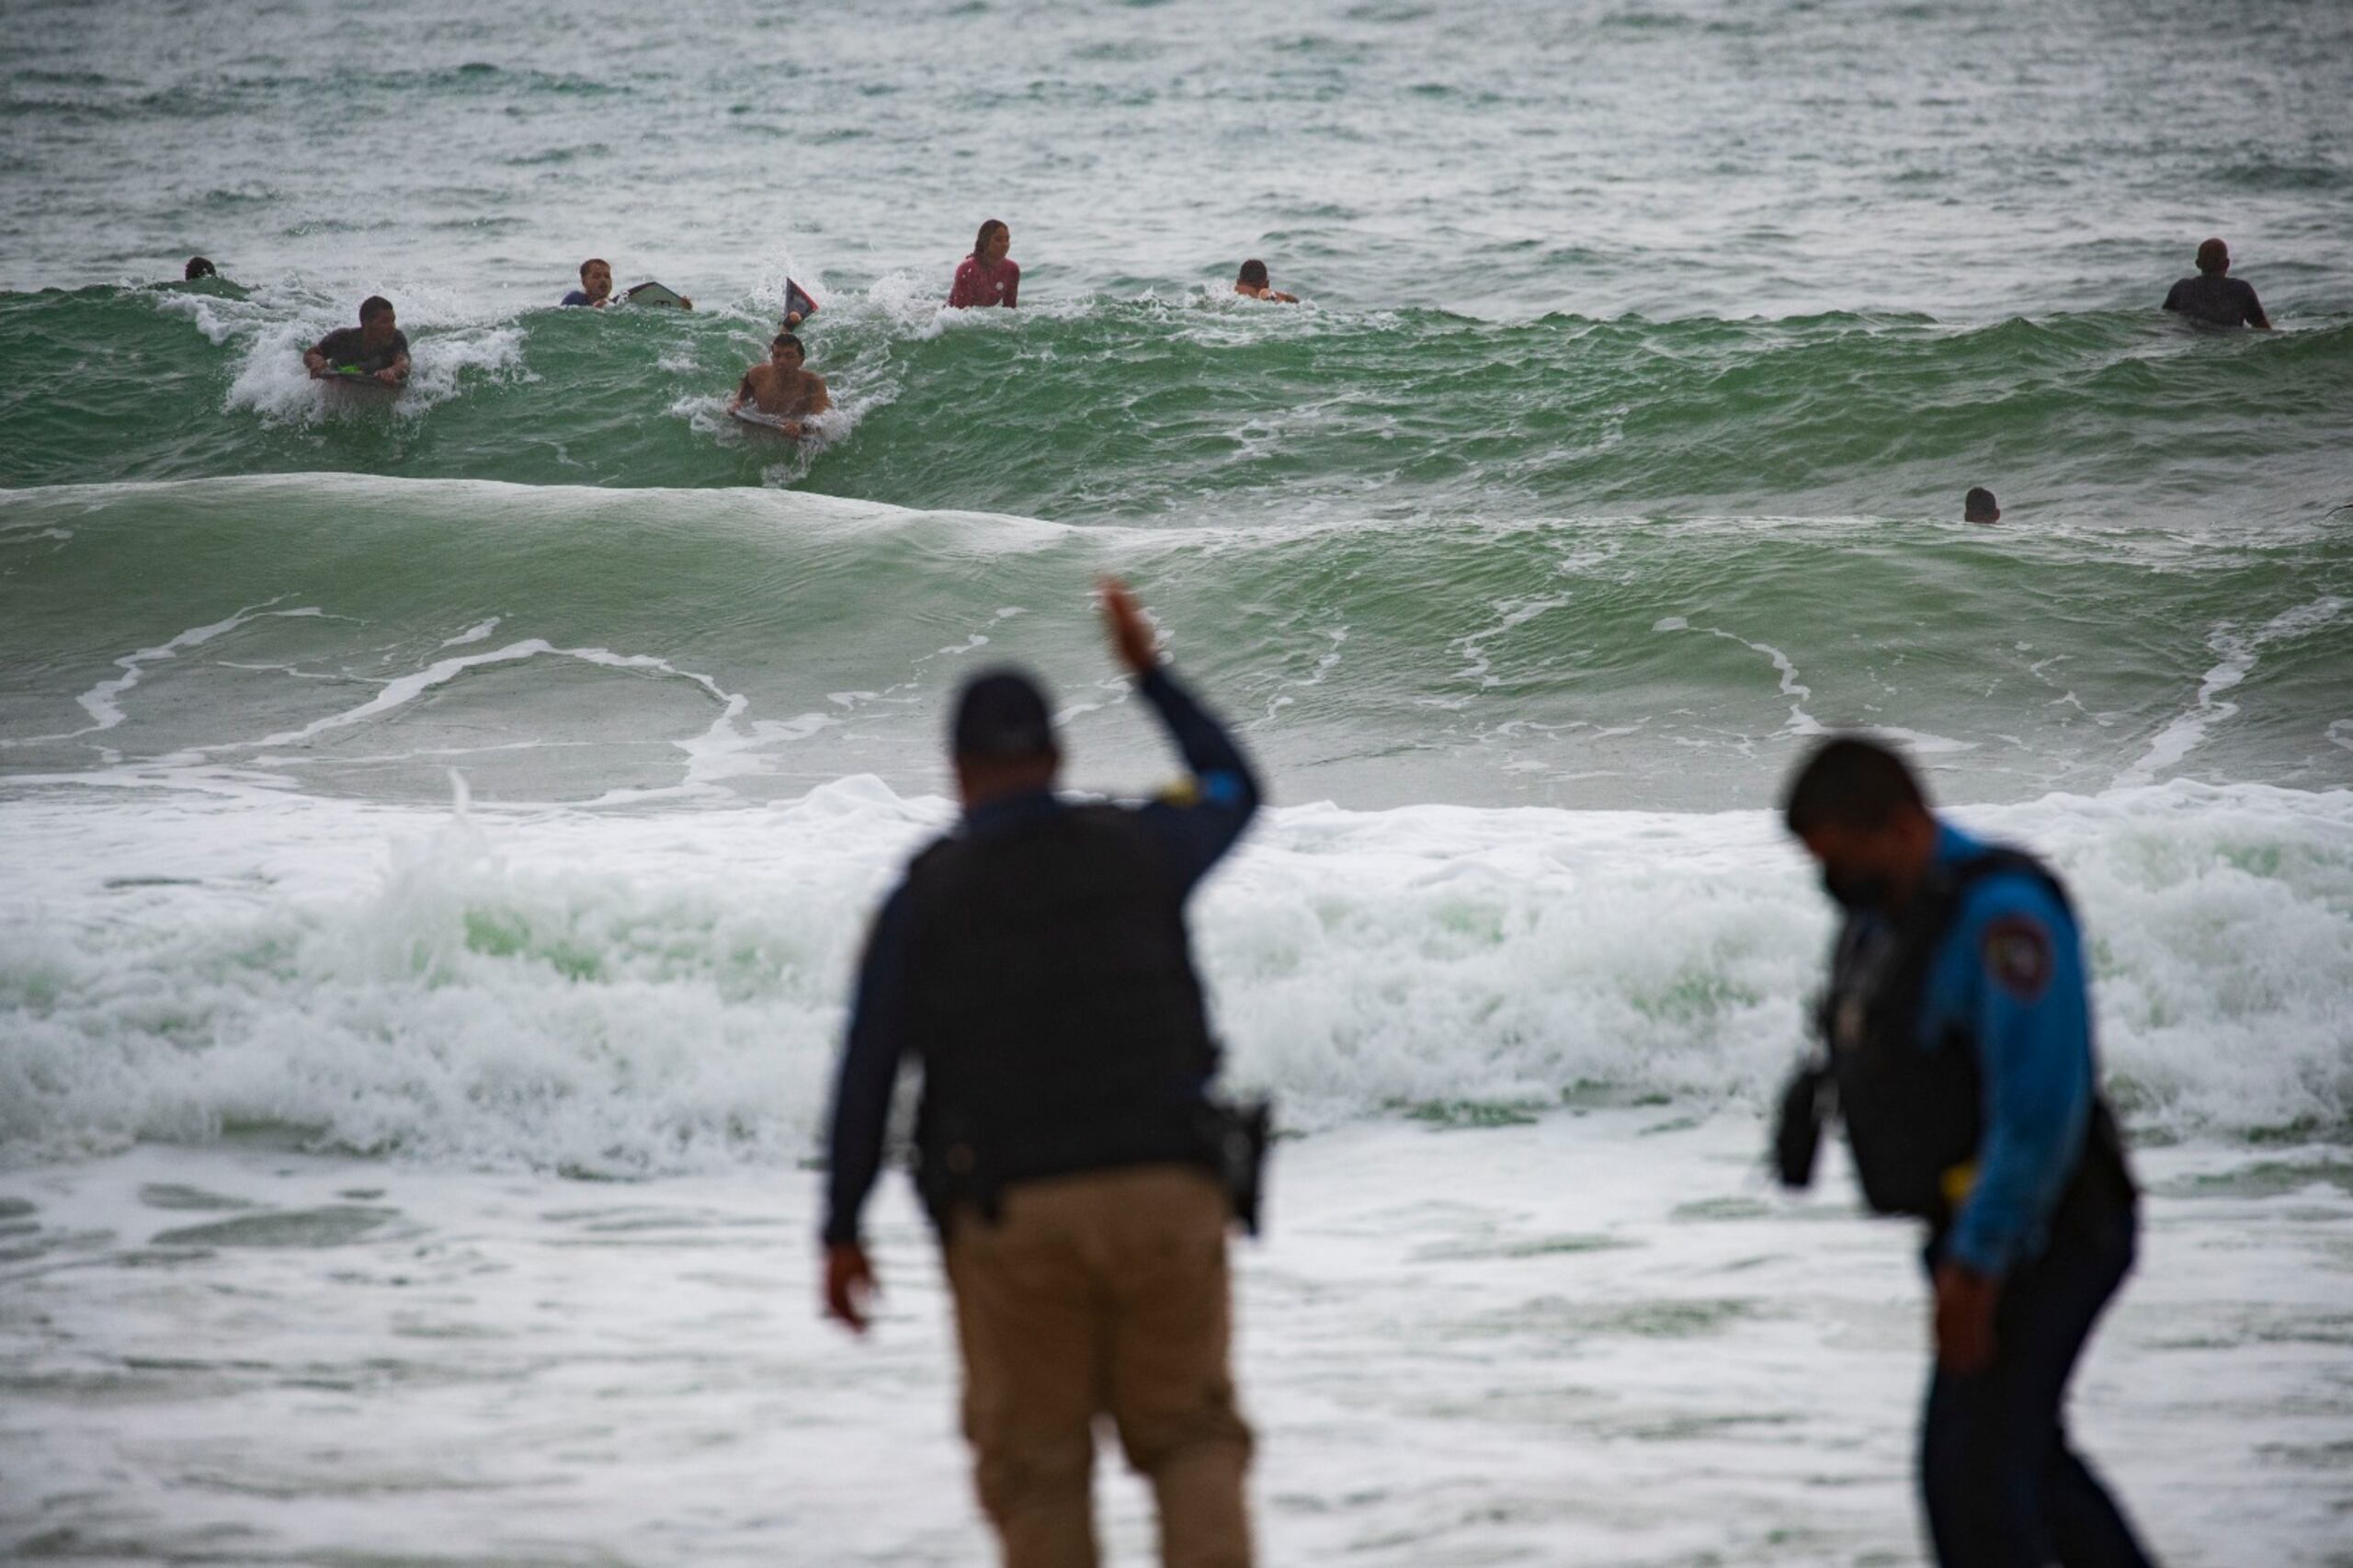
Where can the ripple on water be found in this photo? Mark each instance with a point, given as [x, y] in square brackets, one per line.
[333, 1225]
[2264, 1178]
[171, 1195]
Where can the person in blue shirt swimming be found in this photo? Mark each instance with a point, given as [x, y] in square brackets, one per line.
[1958, 1029]
[595, 289]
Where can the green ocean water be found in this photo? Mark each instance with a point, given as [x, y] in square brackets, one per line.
[361, 636]
[1194, 409]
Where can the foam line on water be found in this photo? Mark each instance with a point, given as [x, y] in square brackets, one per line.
[478, 632]
[406, 688]
[720, 751]
[103, 702]
[1478, 665]
[2238, 654]
[1801, 722]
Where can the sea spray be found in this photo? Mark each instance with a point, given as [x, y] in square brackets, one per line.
[632, 995]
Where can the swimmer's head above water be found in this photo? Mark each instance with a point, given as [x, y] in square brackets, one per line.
[785, 351]
[2213, 258]
[378, 324]
[989, 246]
[1979, 506]
[597, 279]
[1253, 281]
[200, 268]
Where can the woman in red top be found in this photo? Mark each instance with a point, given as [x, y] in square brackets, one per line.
[985, 277]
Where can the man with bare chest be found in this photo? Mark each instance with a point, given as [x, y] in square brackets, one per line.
[781, 389]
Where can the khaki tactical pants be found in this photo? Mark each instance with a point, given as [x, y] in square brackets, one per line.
[1102, 1293]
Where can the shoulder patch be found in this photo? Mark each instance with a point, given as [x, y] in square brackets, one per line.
[2018, 954]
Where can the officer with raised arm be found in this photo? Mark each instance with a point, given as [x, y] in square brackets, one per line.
[1035, 961]
[1958, 1033]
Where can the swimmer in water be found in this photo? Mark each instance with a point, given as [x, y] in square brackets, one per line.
[1252, 281]
[781, 389]
[1979, 506]
[199, 268]
[376, 348]
[2215, 298]
[595, 288]
[988, 276]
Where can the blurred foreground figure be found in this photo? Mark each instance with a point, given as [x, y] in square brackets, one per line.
[1958, 1033]
[1034, 960]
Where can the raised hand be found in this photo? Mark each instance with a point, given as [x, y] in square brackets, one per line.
[1133, 640]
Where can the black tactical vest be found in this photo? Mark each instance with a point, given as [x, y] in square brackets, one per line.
[1916, 1116]
[1053, 1004]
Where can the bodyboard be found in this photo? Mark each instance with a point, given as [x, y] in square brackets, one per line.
[655, 294]
[771, 422]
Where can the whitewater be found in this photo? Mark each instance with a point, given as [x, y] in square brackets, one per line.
[435, 835]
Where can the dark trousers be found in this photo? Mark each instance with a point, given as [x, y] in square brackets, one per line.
[2003, 1488]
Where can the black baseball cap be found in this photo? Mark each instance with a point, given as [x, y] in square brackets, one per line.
[1001, 714]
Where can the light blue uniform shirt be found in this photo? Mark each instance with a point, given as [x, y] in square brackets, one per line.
[2009, 972]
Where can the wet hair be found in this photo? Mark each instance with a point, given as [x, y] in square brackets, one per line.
[1253, 273]
[1979, 506]
[371, 307]
[200, 268]
[1850, 781]
[981, 240]
[594, 261]
[1001, 716]
[786, 340]
[2213, 256]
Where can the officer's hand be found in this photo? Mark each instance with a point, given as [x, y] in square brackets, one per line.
[1965, 1301]
[849, 1285]
[1133, 637]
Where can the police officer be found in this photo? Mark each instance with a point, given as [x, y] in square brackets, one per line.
[1960, 1057]
[1035, 961]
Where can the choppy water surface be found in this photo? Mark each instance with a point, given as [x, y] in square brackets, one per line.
[457, 812]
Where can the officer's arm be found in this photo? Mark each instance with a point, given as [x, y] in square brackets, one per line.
[1199, 826]
[2023, 962]
[869, 1067]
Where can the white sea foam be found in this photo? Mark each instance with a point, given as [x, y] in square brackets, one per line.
[103, 702]
[2237, 653]
[475, 634]
[560, 989]
[272, 380]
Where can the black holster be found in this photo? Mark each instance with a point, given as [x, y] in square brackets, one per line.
[1806, 1104]
[1235, 1138]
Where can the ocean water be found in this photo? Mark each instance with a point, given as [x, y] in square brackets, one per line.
[435, 832]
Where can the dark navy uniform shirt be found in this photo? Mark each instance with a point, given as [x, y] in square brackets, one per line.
[1194, 827]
